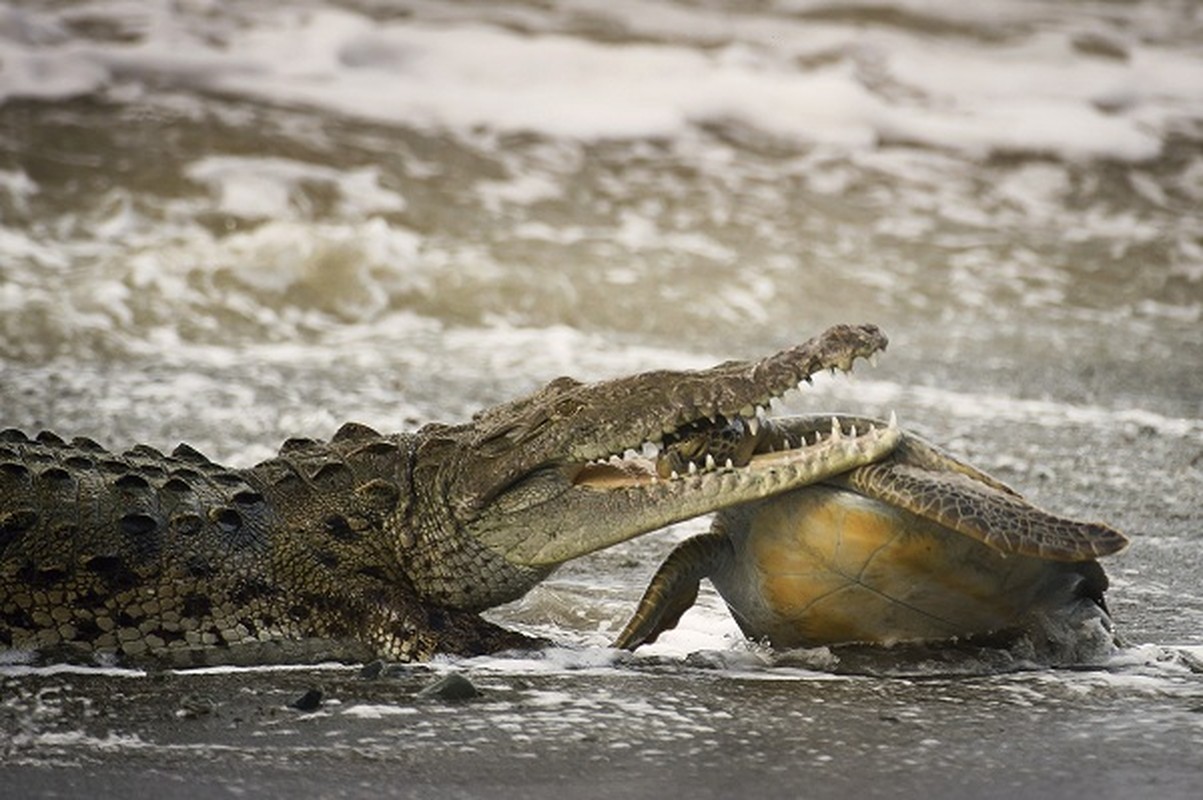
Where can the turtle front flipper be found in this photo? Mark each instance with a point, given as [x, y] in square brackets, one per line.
[1002, 521]
[674, 588]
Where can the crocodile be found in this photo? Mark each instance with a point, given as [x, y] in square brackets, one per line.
[916, 547]
[371, 546]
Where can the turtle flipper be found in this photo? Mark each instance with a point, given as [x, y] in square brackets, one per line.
[1005, 522]
[673, 589]
[918, 452]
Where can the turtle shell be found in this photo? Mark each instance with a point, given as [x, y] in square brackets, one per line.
[826, 565]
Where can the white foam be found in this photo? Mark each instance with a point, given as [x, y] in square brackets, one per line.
[1034, 93]
[549, 661]
[268, 187]
[521, 189]
[867, 392]
[110, 742]
[230, 669]
[377, 711]
[13, 667]
[468, 75]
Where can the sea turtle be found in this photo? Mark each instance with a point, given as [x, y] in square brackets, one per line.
[917, 547]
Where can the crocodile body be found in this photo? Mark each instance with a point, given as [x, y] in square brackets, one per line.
[371, 545]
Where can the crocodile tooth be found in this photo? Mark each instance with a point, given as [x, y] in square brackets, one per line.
[730, 464]
[836, 433]
[710, 463]
[753, 424]
[853, 431]
[693, 468]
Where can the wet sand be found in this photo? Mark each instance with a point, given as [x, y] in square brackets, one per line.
[625, 733]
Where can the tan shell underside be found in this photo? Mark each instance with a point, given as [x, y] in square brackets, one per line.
[827, 565]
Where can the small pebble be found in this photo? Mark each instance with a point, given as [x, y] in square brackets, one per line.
[310, 701]
[195, 706]
[372, 670]
[452, 686]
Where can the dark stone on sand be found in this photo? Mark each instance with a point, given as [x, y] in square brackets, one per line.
[372, 670]
[311, 700]
[452, 686]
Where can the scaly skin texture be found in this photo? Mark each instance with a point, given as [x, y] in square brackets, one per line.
[370, 545]
[917, 546]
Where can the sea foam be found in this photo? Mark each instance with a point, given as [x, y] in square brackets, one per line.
[1038, 90]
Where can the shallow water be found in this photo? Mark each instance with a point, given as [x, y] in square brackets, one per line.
[234, 222]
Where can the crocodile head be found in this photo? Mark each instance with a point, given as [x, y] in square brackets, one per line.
[572, 468]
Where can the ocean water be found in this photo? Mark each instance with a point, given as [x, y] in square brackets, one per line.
[234, 222]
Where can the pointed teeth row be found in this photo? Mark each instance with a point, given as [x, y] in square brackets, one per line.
[836, 369]
[648, 452]
[845, 366]
[755, 409]
[753, 416]
[836, 433]
[694, 469]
